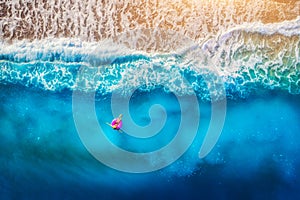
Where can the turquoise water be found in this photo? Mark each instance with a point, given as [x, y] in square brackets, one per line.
[41, 153]
[45, 154]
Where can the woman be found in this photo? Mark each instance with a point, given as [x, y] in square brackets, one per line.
[117, 123]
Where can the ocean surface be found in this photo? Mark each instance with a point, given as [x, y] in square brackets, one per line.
[209, 92]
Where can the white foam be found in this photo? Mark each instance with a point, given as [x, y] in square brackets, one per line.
[222, 56]
[105, 51]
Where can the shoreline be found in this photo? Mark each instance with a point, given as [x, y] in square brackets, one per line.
[104, 20]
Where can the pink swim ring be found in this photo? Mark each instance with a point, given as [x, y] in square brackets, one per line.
[119, 125]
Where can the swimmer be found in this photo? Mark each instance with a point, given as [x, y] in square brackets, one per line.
[116, 123]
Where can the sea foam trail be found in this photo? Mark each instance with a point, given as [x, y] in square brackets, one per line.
[95, 20]
[257, 53]
[246, 58]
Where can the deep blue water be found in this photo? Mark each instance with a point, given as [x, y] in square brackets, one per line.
[42, 155]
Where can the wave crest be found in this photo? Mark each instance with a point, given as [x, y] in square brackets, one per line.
[245, 58]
